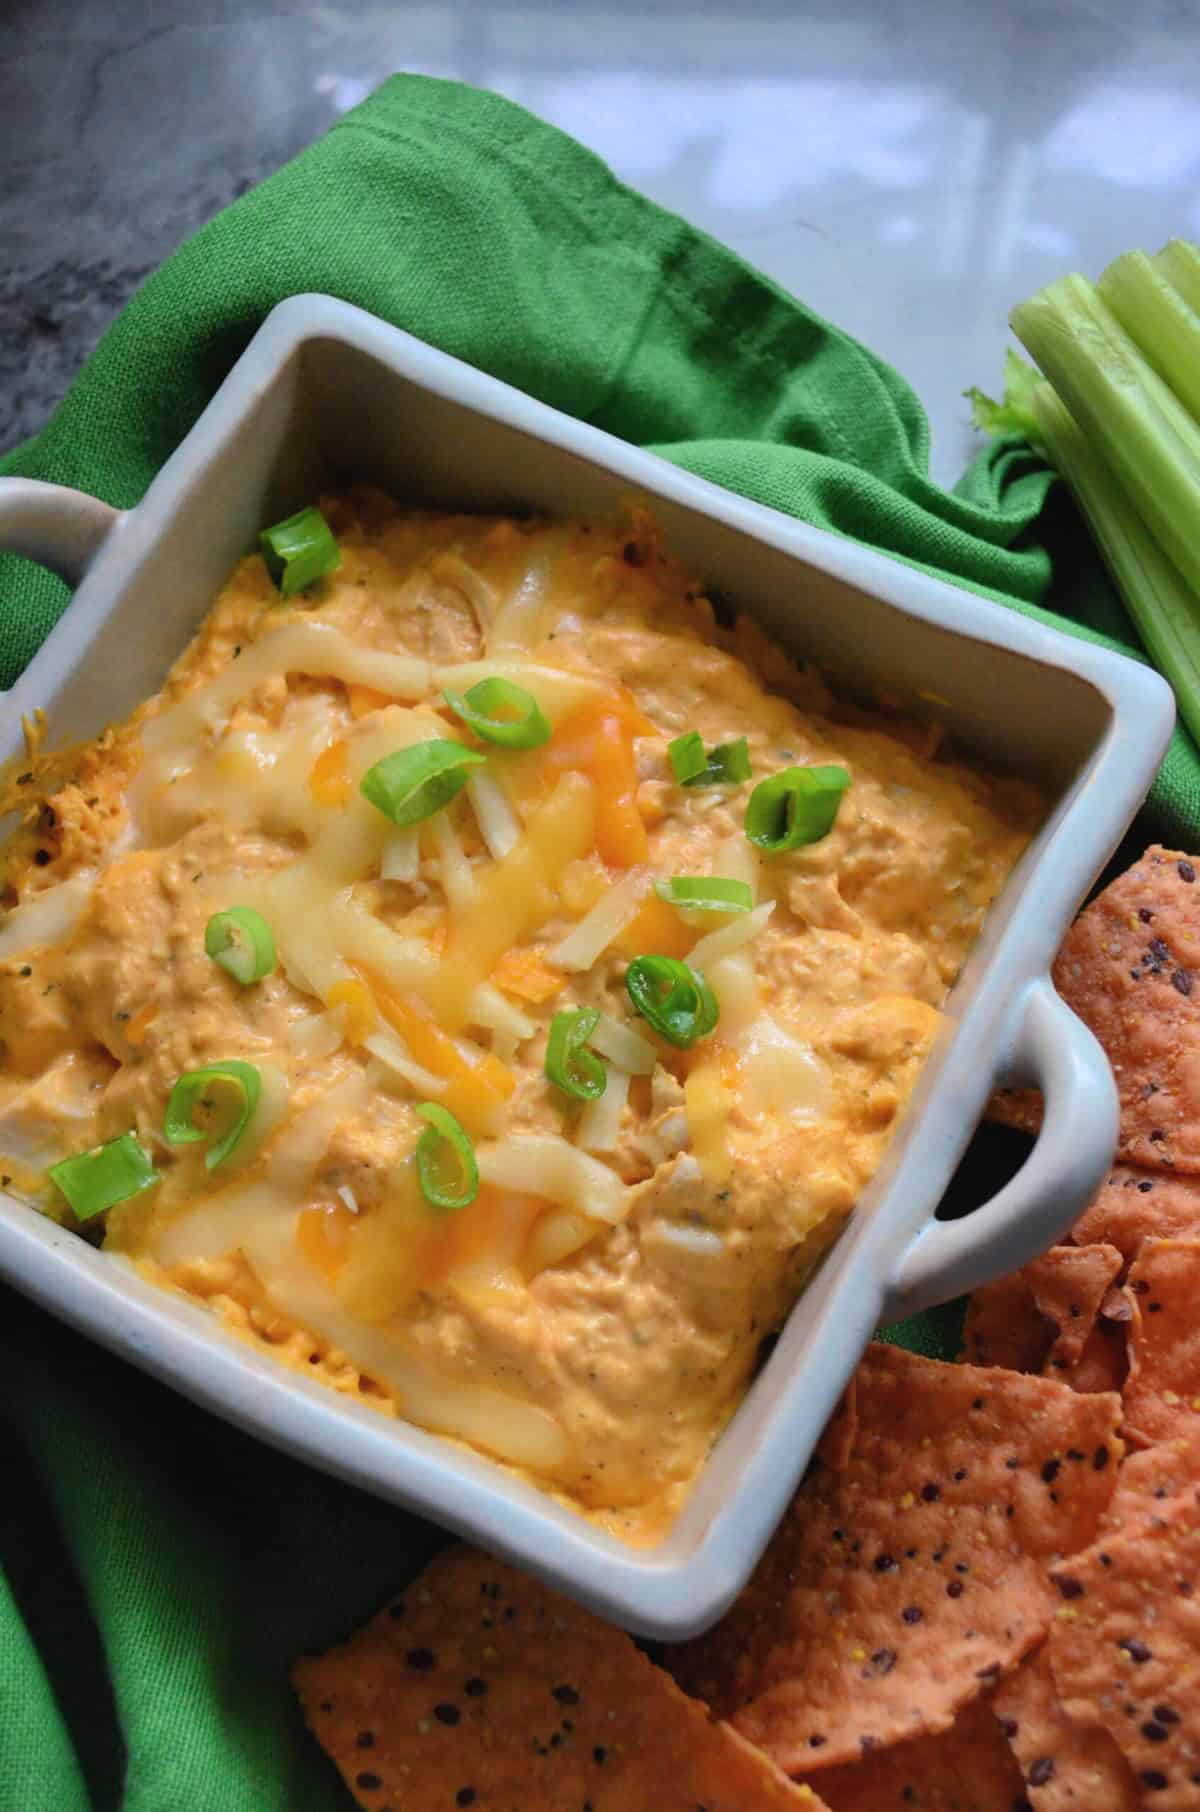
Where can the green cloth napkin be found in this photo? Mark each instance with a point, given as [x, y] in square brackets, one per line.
[159, 1571]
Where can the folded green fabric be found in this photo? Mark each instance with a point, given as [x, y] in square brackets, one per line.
[158, 1571]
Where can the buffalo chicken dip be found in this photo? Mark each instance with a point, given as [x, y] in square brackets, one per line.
[486, 981]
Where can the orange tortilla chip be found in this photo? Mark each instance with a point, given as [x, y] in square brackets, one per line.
[1123, 1648]
[1067, 1767]
[1133, 1205]
[1003, 1326]
[479, 1687]
[1103, 1363]
[968, 1768]
[1162, 1395]
[1040, 1318]
[1146, 1479]
[1130, 967]
[897, 1590]
[1020, 1108]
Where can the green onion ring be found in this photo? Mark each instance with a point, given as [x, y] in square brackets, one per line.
[796, 806]
[705, 893]
[240, 940]
[673, 998]
[414, 783]
[241, 1080]
[97, 1180]
[502, 713]
[445, 1132]
[569, 1063]
[299, 550]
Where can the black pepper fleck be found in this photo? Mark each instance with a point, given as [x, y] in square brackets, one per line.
[422, 1659]
[447, 1713]
[1041, 1771]
[566, 1695]
[368, 1782]
[1136, 1649]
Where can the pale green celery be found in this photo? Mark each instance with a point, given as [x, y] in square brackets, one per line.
[1133, 423]
[1179, 262]
[1156, 316]
[1157, 597]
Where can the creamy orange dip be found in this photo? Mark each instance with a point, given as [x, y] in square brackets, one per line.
[593, 1317]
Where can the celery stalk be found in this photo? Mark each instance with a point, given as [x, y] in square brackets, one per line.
[1162, 605]
[1179, 262]
[1133, 422]
[1156, 316]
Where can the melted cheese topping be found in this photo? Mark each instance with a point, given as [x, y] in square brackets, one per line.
[592, 1318]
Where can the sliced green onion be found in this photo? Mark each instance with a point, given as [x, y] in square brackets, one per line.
[240, 940]
[796, 806]
[299, 550]
[673, 997]
[446, 1167]
[99, 1179]
[241, 1085]
[501, 712]
[416, 782]
[727, 764]
[705, 893]
[687, 756]
[569, 1063]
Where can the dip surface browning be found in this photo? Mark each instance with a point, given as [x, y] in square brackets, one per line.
[593, 1317]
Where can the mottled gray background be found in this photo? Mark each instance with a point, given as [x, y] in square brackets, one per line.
[910, 168]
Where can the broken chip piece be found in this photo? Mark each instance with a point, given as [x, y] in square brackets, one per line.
[1125, 1655]
[902, 1587]
[480, 1687]
[1067, 1766]
[1162, 1395]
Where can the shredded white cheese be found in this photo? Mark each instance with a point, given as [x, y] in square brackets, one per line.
[545, 1165]
[606, 921]
[600, 1122]
[498, 824]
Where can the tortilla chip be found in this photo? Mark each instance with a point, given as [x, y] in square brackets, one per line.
[1145, 1480]
[968, 1768]
[1020, 1108]
[1133, 1205]
[1039, 1319]
[1128, 966]
[1162, 1395]
[1067, 1767]
[837, 1442]
[899, 1589]
[1004, 1327]
[479, 1687]
[1123, 1648]
[1103, 1363]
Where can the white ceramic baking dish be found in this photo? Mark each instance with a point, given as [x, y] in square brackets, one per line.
[326, 393]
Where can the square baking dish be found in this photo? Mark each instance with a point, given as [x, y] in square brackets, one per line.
[325, 395]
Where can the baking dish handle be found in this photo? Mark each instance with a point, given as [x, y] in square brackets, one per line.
[57, 527]
[1055, 1052]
